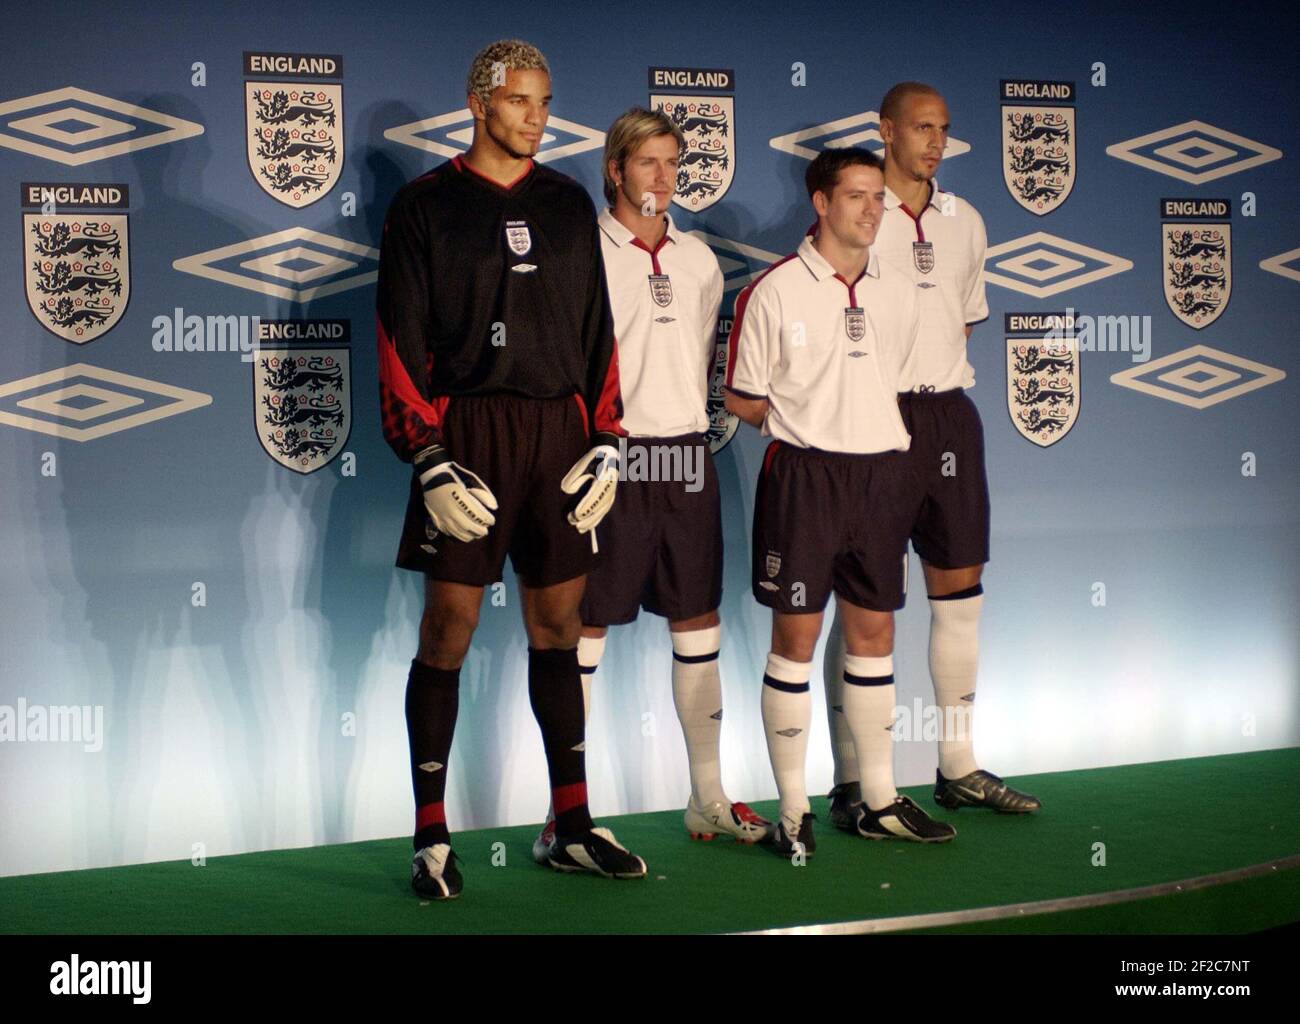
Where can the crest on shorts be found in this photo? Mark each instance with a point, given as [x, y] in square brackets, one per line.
[302, 404]
[1196, 251]
[518, 238]
[1038, 162]
[661, 289]
[855, 323]
[76, 257]
[1042, 375]
[772, 563]
[923, 256]
[703, 107]
[294, 124]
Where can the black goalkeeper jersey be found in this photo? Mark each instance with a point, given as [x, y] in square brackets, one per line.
[487, 289]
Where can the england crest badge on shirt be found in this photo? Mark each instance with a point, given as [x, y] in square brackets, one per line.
[518, 238]
[294, 124]
[661, 289]
[1196, 251]
[701, 104]
[855, 323]
[923, 256]
[76, 257]
[1038, 146]
[1042, 375]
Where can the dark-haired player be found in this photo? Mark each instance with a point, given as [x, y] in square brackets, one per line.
[818, 346]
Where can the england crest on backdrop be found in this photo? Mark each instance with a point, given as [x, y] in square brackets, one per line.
[302, 404]
[76, 257]
[703, 107]
[1038, 143]
[1042, 375]
[1196, 253]
[294, 124]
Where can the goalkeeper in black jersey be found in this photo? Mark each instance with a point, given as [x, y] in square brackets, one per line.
[499, 382]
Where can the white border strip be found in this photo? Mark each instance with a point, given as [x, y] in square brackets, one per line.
[977, 914]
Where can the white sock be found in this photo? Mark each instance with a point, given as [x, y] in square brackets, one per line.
[787, 714]
[590, 649]
[869, 710]
[954, 663]
[697, 694]
[846, 758]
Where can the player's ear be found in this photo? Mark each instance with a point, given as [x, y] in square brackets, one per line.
[615, 173]
[887, 130]
[820, 203]
[475, 107]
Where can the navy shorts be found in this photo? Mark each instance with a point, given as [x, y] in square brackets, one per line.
[521, 448]
[832, 522]
[952, 525]
[661, 543]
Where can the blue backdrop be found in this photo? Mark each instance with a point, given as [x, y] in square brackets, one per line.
[227, 615]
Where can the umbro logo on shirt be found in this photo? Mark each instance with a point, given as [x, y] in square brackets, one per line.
[430, 766]
[789, 733]
[665, 319]
[524, 268]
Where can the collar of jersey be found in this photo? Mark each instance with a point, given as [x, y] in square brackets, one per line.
[620, 234]
[892, 202]
[821, 269]
[465, 168]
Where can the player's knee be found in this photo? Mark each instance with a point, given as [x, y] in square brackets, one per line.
[554, 630]
[445, 636]
[791, 640]
[870, 635]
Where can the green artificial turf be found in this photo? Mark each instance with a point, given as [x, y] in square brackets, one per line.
[1158, 822]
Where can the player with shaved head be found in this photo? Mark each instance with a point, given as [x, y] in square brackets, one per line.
[937, 240]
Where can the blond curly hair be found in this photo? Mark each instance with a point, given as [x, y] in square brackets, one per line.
[490, 64]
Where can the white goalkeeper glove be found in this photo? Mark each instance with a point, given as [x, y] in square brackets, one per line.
[457, 500]
[594, 478]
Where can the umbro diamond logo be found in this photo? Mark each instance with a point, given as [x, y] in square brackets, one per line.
[717, 715]
[855, 130]
[78, 127]
[296, 264]
[81, 402]
[450, 134]
[1286, 264]
[740, 263]
[579, 747]
[789, 733]
[524, 268]
[1194, 151]
[1199, 377]
[1040, 264]
[430, 766]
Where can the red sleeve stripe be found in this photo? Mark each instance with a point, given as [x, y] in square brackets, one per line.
[399, 394]
[582, 411]
[733, 339]
[609, 406]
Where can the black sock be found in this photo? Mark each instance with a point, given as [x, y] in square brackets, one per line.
[555, 691]
[432, 700]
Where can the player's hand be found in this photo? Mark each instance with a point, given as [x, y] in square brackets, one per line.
[458, 502]
[594, 478]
